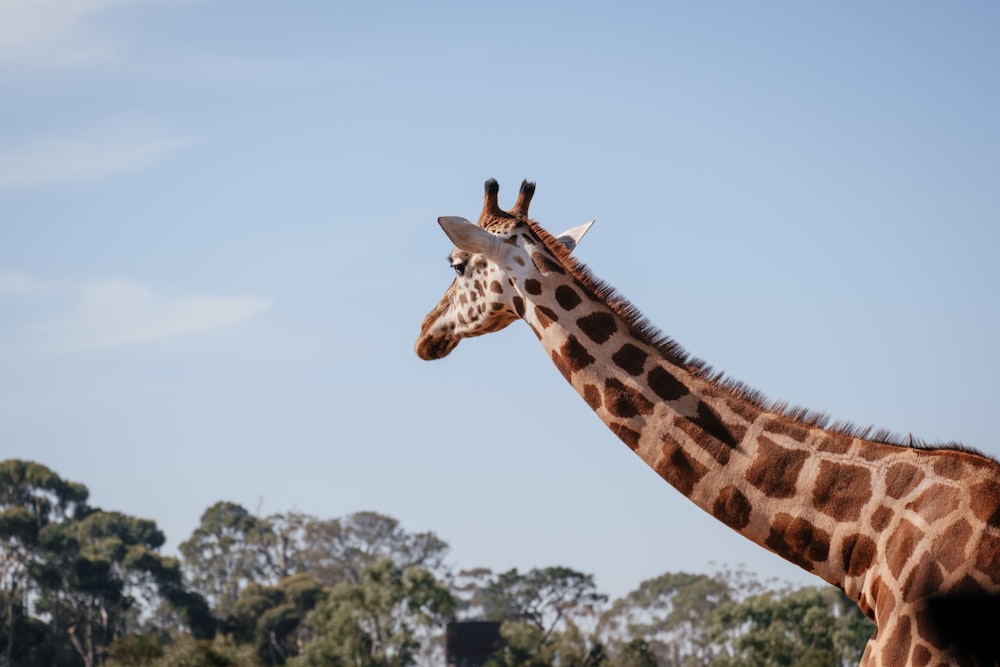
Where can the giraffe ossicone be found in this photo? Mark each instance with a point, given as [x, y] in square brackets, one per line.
[912, 534]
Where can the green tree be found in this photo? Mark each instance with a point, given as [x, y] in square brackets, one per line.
[524, 644]
[232, 548]
[468, 587]
[283, 541]
[672, 614]
[636, 653]
[102, 574]
[135, 650]
[378, 621]
[544, 597]
[226, 553]
[807, 627]
[31, 498]
[188, 652]
[542, 612]
[92, 575]
[338, 550]
[270, 617]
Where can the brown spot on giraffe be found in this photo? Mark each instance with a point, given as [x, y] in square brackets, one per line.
[545, 264]
[924, 579]
[518, 306]
[728, 434]
[546, 316]
[743, 408]
[627, 435]
[625, 401]
[841, 490]
[880, 518]
[951, 544]
[905, 539]
[775, 469]
[936, 502]
[949, 467]
[986, 557]
[678, 468]
[567, 297]
[630, 358]
[896, 650]
[798, 540]
[786, 427]
[901, 478]
[921, 656]
[876, 452]
[592, 395]
[665, 385]
[571, 357]
[883, 596]
[532, 286]
[858, 552]
[708, 432]
[985, 504]
[599, 326]
[835, 443]
[732, 508]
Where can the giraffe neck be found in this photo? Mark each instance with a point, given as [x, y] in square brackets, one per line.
[911, 534]
[778, 480]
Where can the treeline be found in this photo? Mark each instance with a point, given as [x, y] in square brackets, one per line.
[85, 587]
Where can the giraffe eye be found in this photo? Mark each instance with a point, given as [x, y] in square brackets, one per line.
[459, 268]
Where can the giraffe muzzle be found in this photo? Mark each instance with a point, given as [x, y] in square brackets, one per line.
[430, 347]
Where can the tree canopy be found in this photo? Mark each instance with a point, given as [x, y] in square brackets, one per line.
[85, 587]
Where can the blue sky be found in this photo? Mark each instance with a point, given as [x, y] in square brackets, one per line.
[218, 240]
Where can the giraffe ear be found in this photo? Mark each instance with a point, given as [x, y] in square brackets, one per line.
[571, 237]
[470, 237]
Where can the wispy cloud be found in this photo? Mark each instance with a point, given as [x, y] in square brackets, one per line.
[53, 33]
[15, 283]
[87, 155]
[58, 34]
[122, 312]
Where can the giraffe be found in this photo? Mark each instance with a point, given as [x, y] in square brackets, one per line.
[911, 533]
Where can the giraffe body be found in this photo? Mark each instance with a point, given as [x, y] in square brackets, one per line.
[912, 534]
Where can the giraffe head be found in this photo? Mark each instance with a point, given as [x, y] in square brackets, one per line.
[491, 261]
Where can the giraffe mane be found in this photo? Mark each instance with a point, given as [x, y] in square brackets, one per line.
[672, 352]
